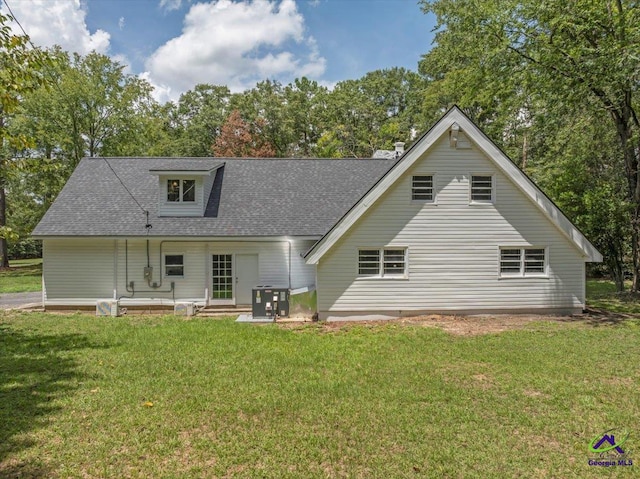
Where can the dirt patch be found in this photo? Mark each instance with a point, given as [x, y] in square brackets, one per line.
[467, 325]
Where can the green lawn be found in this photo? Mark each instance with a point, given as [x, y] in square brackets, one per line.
[239, 400]
[23, 276]
[601, 294]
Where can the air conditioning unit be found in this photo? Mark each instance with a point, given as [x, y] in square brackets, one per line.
[107, 307]
[184, 309]
[270, 302]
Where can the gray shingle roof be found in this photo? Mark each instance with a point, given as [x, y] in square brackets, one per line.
[257, 197]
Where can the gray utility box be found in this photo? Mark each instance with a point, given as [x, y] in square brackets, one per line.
[270, 302]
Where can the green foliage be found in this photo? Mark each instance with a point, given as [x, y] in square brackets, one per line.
[21, 72]
[27, 248]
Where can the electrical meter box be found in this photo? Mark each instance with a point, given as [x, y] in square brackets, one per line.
[269, 302]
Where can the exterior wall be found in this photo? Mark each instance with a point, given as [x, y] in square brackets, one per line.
[78, 268]
[453, 248]
[302, 274]
[79, 271]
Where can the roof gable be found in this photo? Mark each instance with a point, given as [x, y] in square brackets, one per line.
[457, 119]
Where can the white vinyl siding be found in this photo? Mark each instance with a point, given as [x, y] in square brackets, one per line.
[78, 268]
[454, 248]
[93, 262]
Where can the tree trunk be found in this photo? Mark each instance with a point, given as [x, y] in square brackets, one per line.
[622, 119]
[4, 250]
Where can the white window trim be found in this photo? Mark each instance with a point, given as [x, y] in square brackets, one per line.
[164, 264]
[431, 202]
[181, 192]
[381, 275]
[521, 274]
[493, 188]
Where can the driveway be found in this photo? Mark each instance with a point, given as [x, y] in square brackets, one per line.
[17, 300]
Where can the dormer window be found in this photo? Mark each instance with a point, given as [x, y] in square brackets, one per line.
[181, 190]
[185, 191]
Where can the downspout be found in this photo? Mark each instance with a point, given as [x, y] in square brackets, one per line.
[289, 241]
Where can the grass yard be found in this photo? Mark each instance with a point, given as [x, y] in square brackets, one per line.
[602, 294]
[164, 397]
[24, 276]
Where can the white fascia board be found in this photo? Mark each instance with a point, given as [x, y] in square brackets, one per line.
[185, 172]
[455, 115]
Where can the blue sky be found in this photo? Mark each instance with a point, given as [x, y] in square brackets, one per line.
[176, 44]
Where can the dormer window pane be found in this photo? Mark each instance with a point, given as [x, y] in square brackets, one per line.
[188, 190]
[173, 190]
[181, 191]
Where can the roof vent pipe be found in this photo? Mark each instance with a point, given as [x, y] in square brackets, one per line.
[399, 148]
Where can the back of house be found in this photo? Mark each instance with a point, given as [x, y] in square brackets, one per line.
[452, 225]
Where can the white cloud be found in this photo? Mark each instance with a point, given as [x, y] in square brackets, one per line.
[121, 23]
[59, 22]
[235, 44]
[169, 5]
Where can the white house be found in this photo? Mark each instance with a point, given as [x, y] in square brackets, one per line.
[452, 225]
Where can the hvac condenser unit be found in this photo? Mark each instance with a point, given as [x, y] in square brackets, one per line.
[184, 309]
[107, 307]
[269, 302]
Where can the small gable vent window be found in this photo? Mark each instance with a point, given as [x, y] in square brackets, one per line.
[181, 190]
[482, 189]
[422, 188]
[174, 265]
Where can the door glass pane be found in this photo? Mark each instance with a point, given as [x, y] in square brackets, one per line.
[222, 287]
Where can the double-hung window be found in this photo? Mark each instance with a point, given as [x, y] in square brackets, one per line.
[422, 188]
[518, 262]
[181, 190]
[388, 262]
[174, 265]
[482, 189]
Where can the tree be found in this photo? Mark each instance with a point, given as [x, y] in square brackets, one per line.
[374, 111]
[197, 119]
[20, 72]
[94, 109]
[265, 105]
[501, 57]
[305, 105]
[239, 139]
